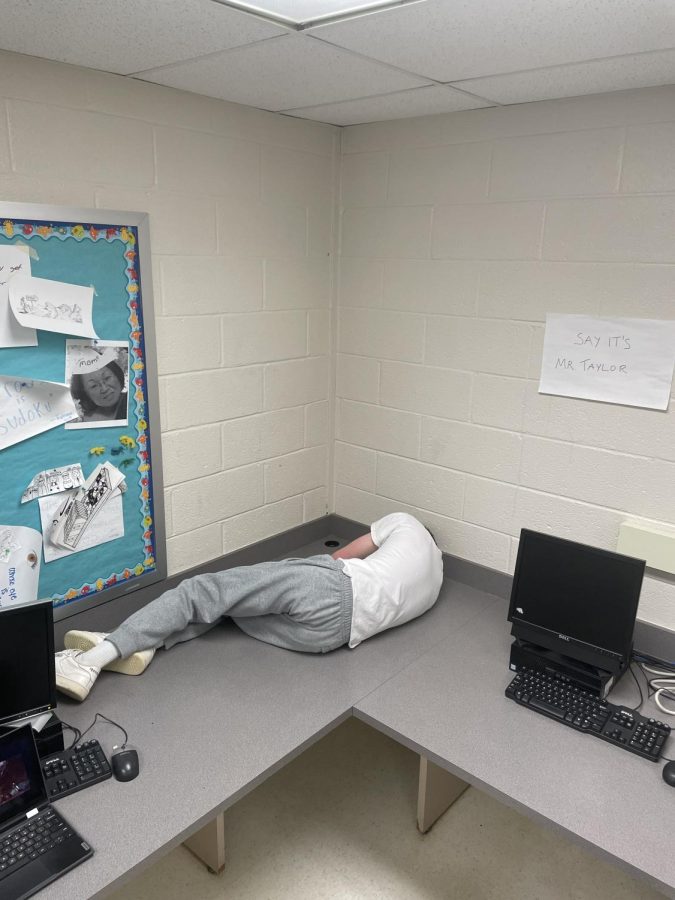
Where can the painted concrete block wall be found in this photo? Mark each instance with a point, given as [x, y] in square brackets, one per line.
[241, 207]
[459, 233]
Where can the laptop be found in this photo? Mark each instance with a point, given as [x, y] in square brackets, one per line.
[37, 845]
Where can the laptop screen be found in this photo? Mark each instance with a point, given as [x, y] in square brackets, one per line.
[22, 787]
[26, 660]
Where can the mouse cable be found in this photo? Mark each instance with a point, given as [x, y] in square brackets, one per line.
[110, 722]
[76, 732]
[41, 738]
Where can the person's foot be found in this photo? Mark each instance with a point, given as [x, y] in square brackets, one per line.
[132, 665]
[73, 678]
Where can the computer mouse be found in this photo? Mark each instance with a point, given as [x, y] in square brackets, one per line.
[669, 773]
[125, 764]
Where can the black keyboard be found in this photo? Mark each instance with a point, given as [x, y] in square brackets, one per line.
[31, 839]
[74, 769]
[558, 698]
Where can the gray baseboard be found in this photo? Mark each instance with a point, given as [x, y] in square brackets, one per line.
[649, 639]
[654, 641]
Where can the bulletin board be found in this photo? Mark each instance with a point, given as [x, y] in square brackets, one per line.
[109, 252]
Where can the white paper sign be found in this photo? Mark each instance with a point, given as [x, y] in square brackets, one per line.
[14, 262]
[19, 564]
[30, 407]
[52, 305]
[108, 525]
[628, 361]
[54, 481]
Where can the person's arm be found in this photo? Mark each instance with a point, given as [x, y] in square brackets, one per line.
[360, 548]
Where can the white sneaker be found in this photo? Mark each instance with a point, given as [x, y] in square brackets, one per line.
[73, 678]
[132, 665]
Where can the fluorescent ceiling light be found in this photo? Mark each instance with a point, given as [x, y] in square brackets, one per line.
[299, 12]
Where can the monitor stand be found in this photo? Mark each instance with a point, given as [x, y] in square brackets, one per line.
[49, 739]
[525, 655]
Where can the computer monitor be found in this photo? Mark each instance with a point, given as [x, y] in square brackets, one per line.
[575, 600]
[27, 678]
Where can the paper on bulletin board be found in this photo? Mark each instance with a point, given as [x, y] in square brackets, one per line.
[52, 305]
[14, 261]
[107, 526]
[614, 360]
[54, 481]
[98, 375]
[83, 506]
[29, 407]
[19, 564]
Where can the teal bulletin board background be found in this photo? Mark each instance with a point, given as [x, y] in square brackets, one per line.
[105, 256]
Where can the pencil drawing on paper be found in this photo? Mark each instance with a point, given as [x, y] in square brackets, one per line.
[32, 305]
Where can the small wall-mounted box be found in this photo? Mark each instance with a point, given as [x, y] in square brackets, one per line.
[653, 543]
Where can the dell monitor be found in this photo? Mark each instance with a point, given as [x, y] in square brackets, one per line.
[26, 661]
[575, 602]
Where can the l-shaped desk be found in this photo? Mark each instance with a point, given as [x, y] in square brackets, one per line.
[215, 717]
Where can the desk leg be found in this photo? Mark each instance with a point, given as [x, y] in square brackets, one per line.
[438, 790]
[208, 844]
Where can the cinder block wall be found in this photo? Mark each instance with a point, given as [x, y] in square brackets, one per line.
[459, 233]
[241, 207]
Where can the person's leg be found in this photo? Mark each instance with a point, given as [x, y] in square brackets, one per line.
[320, 617]
[298, 604]
[294, 588]
[184, 612]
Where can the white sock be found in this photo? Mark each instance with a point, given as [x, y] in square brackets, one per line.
[100, 655]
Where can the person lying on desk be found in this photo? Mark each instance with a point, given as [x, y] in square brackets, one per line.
[383, 578]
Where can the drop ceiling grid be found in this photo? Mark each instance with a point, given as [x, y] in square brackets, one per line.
[593, 77]
[422, 101]
[122, 37]
[433, 56]
[284, 72]
[450, 40]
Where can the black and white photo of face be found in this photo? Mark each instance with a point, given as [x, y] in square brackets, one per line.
[97, 378]
[103, 388]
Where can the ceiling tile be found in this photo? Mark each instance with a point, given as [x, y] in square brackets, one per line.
[596, 77]
[422, 101]
[123, 37]
[448, 40]
[284, 73]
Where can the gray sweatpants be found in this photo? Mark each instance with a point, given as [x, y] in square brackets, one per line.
[298, 604]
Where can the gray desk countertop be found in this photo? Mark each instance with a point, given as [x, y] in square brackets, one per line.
[213, 718]
[450, 705]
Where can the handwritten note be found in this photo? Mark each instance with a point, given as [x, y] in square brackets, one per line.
[19, 564]
[627, 361]
[30, 407]
[14, 262]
